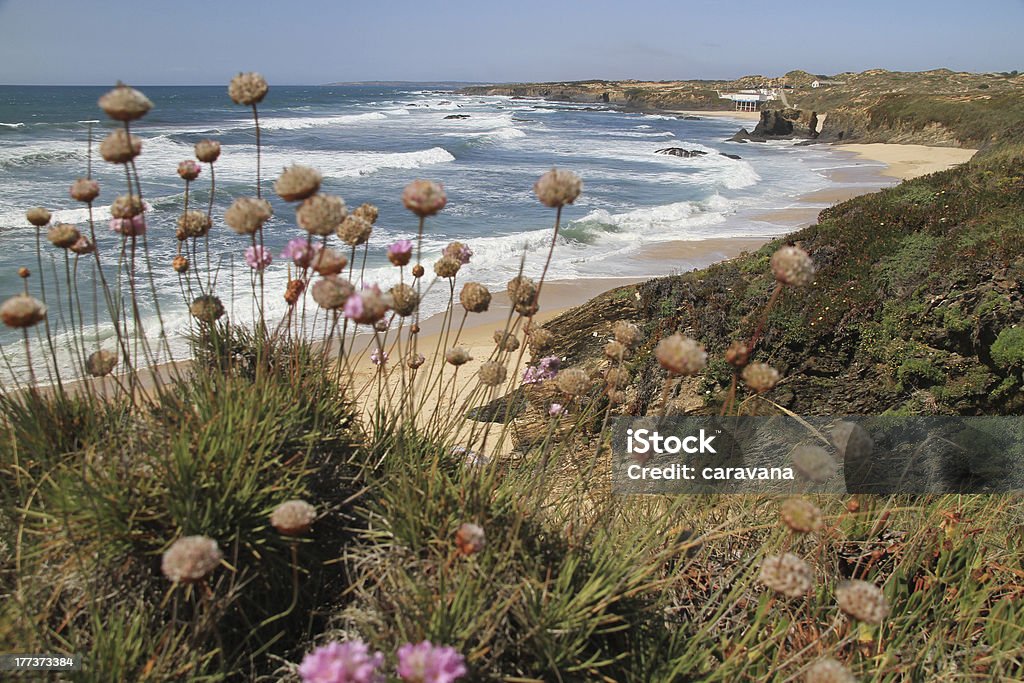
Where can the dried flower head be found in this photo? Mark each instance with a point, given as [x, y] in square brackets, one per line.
[573, 381]
[293, 290]
[127, 206]
[787, 574]
[404, 299]
[475, 297]
[206, 308]
[248, 88]
[492, 373]
[297, 182]
[293, 517]
[348, 662]
[179, 264]
[400, 252]
[737, 354]
[38, 216]
[457, 356]
[207, 151]
[191, 559]
[681, 355]
[429, 663]
[124, 103]
[415, 360]
[85, 190]
[417, 271]
[546, 368]
[22, 310]
[83, 246]
[120, 147]
[506, 341]
[63, 235]
[615, 350]
[367, 306]
[189, 169]
[193, 223]
[626, 333]
[101, 363]
[616, 377]
[760, 377]
[447, 267]
[470, 538]
[863, 601]
[521, 290]
[813, 462]
[424, 197]
[246, 215]
[329, 261]
[24, 273]
[321, 214]
[828, 670]
[792, 266]
[458, 251]
[557, 188]
[540, 340]
[354, 230]
[368, 212]
[802, 516]
[332, 292]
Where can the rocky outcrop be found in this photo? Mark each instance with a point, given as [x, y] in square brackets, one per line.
[457, 116]
[680, 152]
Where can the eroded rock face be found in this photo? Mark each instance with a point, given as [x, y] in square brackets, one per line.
[680, 152]
[773, 124]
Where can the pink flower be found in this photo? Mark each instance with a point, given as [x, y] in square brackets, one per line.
[556, 409]
[379, 357]
[349, 662]
[301, 251]
[366, 307]
[354, 308]
[428, 663]
[424, 198]
[258, 258]
[129, 227]
[546, 368]
[458, 251]
[400, 252]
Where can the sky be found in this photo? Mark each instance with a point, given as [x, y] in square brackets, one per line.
[304, 42]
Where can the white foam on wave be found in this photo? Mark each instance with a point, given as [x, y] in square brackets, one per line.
[300, 122]
[12, 125]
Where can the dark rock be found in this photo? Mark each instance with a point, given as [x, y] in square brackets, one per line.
[773, 123]
[731, 156]
[457, 116]
[742, 136]
[680, 152]
[691, 118]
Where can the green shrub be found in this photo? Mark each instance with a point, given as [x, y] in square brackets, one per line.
[1008, 348]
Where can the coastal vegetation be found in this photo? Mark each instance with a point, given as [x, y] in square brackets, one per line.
[258, 513]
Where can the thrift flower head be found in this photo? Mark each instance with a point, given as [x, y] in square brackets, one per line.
[348, 662]
[458, 251]
[207, 151]
[332, 292]
[506, 341]
[367, 306]
[101, 363]
[801, 515]
[863, 601]
[22, 310]
[125, 104]
[189, 169]
[415, 360]
[38, 216]
[257, 257]
[354, 230]
[293, 517]
[556, 409]
[119, 147]
[248, 88]
[540, 340]
[573, 381]
[297, 182]
[300, 251]
[447, 267]
[246, 215]
[206, 308]
[329, 262]
[681, 355]
[379, 357]
[424, 198]
[367, 212]
[404, 299]
[83, 246]
[85, 189]
[760, 377]
[470, 538]
[828, 670]
[546, 368]
[129, 227]
[193, 224]
[191, 559]
[492, 373]
[429, 663]
[787, 574]
[63, 235]
[400, 253]
[792, 266]
[558, 188]
[321, 214]
[457, 356]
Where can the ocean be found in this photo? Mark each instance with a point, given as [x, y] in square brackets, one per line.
[369, 142]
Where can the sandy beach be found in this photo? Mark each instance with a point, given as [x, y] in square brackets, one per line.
[910, 161]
